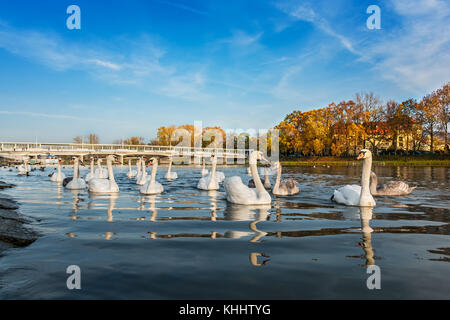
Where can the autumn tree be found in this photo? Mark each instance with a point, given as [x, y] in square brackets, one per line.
[92, 138]
[134, 141]
[428, 115]
[443, 96]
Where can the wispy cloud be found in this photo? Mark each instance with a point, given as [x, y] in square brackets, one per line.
[183, 7]
[52, 116]
[138, 65]
[415, 55]
[304, 12]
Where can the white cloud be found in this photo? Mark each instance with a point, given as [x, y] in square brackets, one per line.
[106, 64]
[137, 65]
[304, 12]
[413, 53]
[416, 55]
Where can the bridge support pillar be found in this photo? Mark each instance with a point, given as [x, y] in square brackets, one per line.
[121, 159]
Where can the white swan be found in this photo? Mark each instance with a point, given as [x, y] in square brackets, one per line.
[76, 182]
[204, 170]
[267, 184]
[139, 171]
[98, 185]
[391, 188]
[355, 195]
[170, 175]
[24, 169]
[131, 173]
[285, 187]
[143, 177]
[209, 182]
[58, 176]
[100, 172]
[152, 186]
[91, 174]
[220, 176]
[239, 193]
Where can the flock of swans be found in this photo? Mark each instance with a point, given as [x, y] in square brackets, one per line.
[99, 180]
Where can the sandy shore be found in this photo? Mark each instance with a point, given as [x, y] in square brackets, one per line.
[13, 229]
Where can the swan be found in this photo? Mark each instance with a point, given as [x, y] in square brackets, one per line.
[143, 177]
[91, 173]
[220, 176]
[58, 176]
[24, 169]
[355, 195]
[99, 185]
[209, 182]
[170, 175]
[285, 187]
[131, 173]
[239, 193]
[152, 186]
[100, 172]
[204, 170]
[391, 188]
[76, 182]
[139, 171]
[267, 184]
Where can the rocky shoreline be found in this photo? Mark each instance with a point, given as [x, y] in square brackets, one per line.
[13, 230]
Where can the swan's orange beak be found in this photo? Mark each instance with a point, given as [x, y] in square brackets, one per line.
[360, 156]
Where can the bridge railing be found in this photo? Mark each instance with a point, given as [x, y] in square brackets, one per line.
[105, 148]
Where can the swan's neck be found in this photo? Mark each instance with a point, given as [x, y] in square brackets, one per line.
[75, 169]
[129, 166]
[99, 164]
[277, 181]
[212, 180]
[138, 165]
[254, 171]
[59, 169]
[110, 170]
[373, 184]
[365, 178]
[92, 167]
[154, 168]
[144, 171]
[170, 166]
[266, 175]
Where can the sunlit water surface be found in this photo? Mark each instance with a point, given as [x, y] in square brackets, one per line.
[192, 244]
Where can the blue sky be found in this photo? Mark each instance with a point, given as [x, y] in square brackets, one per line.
[137, 65]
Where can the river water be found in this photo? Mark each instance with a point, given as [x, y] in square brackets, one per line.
[192, 244]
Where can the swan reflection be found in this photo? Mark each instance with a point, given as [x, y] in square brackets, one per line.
[111, 205]
[257, 213]
[75, 202]
[151, 200]
[365, 217]
[254, 259]
[213, 196]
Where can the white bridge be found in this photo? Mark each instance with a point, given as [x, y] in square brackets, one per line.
[20, 150]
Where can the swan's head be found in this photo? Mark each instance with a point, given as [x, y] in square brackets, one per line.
[111, 158]
[276, 165]
[152, 161]
[255, 156]
[213, 159]
[364, 154]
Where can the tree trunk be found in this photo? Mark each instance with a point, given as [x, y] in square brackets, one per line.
[431, 137]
